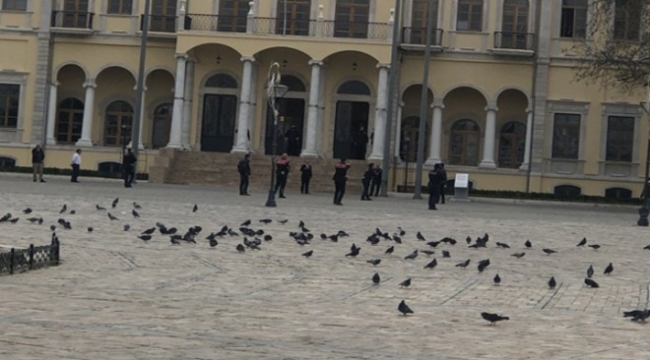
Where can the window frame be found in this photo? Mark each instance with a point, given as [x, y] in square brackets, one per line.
[71, 111]
[564, 155]
[14, 5]
[472, 5]
[353, 24]
[575, 31]
[122, 5]
[618, 144]
[623, 16]
[464, 156]
[120, 116]
[5, 102]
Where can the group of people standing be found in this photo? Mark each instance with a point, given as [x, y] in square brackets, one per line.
[282, 168]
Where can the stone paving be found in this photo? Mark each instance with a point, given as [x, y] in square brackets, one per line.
[116, 297]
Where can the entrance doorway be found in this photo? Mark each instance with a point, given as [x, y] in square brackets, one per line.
[219, 121]
[351, 130]
[290, 125]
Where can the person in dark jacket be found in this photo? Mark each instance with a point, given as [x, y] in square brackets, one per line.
[340, 177]
[366, 180]
[128, 167]
[244, 169]
[443, 174]
[37, 162]
[376, 182]
[281, 174]
[435, 179]
[305, 178]
[360, 143]
[292, 138]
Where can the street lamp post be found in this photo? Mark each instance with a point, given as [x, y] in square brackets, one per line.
[274, 91]
[645, 205]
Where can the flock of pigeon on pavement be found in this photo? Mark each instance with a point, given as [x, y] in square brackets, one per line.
[253, 240]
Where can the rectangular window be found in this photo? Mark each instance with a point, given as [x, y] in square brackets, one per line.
[9, 103]
[620, 138]
[14, 5]
[120, 7]
[627, 20]
[573, 22]
[233, 15]
[352, 19]
[566, 136]
[470, 15]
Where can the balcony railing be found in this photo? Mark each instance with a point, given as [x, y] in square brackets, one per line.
[418, 36]
[514, 40]
[160, 23]
[72, 19]
[294, 27]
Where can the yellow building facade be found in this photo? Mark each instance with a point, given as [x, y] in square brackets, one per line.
[503, 105]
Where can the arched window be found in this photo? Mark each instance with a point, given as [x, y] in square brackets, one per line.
[618, 193]
[69, 121]
[7, 163]
[293, 83]
[464, 142]
[514, 26]
[512, 144]
[222, 81]
[567, 190]
[354, 87]
[118, 124]
[162, 122]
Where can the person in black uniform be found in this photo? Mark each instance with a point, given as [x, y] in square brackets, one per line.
[244, 169]
[305, 177]
[340, 177]
[128, 167]
[435, 179]
[281, 174]
[366, 180]
[376, 182]
[292, 137]
[360, 143]
[443, 174]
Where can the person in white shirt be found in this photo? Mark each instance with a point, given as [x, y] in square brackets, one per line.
[75, 163]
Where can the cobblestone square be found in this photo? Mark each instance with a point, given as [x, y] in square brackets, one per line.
[117, 297]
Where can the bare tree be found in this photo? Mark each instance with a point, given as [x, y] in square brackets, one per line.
[616, 52]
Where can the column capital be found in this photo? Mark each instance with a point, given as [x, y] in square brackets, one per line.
[383, 66]
[438, 103]
[529, 110]
[491, 107]
[401, 104]
[247, 59]
[191, 59]
[90, 83]
[315, 62]
[55, 83]
[135, 88]
[179, 56]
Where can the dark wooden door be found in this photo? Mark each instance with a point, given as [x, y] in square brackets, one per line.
[219, 122]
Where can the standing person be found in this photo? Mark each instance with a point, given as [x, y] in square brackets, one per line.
[76, 164]
[376, 182]
[435, 179]
[128, 167]
[340, 177]
[292, 137]
[365, 181]
[37, 162]
[244, 169]
[443, 175]
[305, 178]
[360, 143]
[282, 173]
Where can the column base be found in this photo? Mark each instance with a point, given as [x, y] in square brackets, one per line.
[84, 143]
[487, 164]
[50, 141]
[174, 146]
[239, 150]
[308, 154]
[432, 161]
[523, 167]
[376, 157]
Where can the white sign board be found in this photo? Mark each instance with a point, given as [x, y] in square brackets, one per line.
[462, 181]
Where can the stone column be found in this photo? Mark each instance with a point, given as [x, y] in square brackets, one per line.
[529, 138]
[398, 131]
[175, 135]
[252, 109]
[89, 110]
[51, 115]
[241, 143]
[380, 114]
[143, 117]
[309, 150]
[187, 103]
[490, 134]
[435, 138]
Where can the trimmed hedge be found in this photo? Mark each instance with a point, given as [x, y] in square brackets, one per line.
[68, 172]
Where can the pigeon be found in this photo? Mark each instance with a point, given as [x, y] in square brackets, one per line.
[246, 223]
[72, 212]
[549, 251]
[609, 269]
[519, 255]
[90, 229]
[112, 217]
[448, 240]
[497, 279]
[551, 283]
[63, 209]
[591, 283]
[406, 283]
[637, 315]
[446, 254]
[14, 220]
[35, 220]
[195, 208]
[647, 247]
[174, 241]
[149, 231]
[144, 237]
[582, 242]
[397, 239]
[594, 246]
[404, 309]
[432, 264]
[323, 236]
[213, 242]
[420, 236]
[27, 211]
[266, 221]
[308, 253]
[374, 262]
[268, 237]
[503, 245]
[137, 206]
[483, 264]
[433, 244]
[240, 248]
[283, 221]
[301, 224]
[428, 252]
[114, 203]
[463, 264]
[52, 227]
[127, 227]
[6, 217]
[412, 255]
[590, 271]
[401, 231]
[354, 251]
[99, 208]
[468, 239]
[493, 318]
[390, 250]
[376, 279]
[135, 213]
[528, 244]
